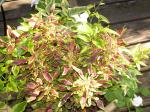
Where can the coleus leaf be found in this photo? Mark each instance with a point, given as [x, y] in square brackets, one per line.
[10, 49]
[31, 85]
[15, 70]
[83, 100]
[31, 59]
[47, 76]
[79, 71]
[30, 99]
[20, 61]
[61, 88]
[65, 98]
[65, 71]
[66, 82]
[24, 48]
[100, 104]
[55, 75]
[19, 107]
[54, 92]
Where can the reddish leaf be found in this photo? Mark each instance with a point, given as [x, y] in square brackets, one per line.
[20, 61]
[55, 75]
[54, 92]
[121, 42]
[100, 104]
[102, 81]
[66, 82]
[61, 88]
[36, 37]
[10, 49]
[24, 48]
[99, 93]
[79, 71]
[47, 76]
[49, 109]
[31, 59]
[31, 85]
[121, 31]
[65, 98]
[65, 71]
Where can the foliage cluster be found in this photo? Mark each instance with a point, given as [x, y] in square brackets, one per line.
[54, 63]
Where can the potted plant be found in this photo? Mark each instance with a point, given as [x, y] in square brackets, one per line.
[59, 61]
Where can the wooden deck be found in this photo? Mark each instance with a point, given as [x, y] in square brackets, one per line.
[132, 14]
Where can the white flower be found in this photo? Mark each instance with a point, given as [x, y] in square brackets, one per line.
[137, 101]
[22, 28]
[81, 18]
[34, 2]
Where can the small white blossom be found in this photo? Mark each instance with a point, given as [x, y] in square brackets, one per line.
[34, 2]
[137, 101]
[22, 28]
[81, 18]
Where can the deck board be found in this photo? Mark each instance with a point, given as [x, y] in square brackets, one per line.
[119, 14]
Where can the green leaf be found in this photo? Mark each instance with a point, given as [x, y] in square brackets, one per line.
[144, 91]
[2, 104]
[139, 109]
[19, 107]
[99, 43]
[1, 84]
[84, 38]
[77, 10]
[12, 86]
[15, 70]
[110, 31]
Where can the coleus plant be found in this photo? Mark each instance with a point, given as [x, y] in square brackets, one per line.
[58, 61]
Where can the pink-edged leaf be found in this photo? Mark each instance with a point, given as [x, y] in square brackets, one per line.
[102, 81]
[31, 85]
[30, 99]
[54, 92]
[24, 48]
[39, 81]
[99, 104]
[20, 61]
[31, 59]
[61, 88]
[79, 71]
[34, 93]
[10, 49]
[83, 100]
[55, 75]
[65, 98]
[99, 93]
[66, 82]
[49, 109]
[65, 71]
[47, 76]
[36, 37]
[93, 74]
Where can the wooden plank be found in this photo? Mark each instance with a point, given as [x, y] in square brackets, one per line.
[107, 2]
[16, 9]
[126, 11]
[137, 31]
